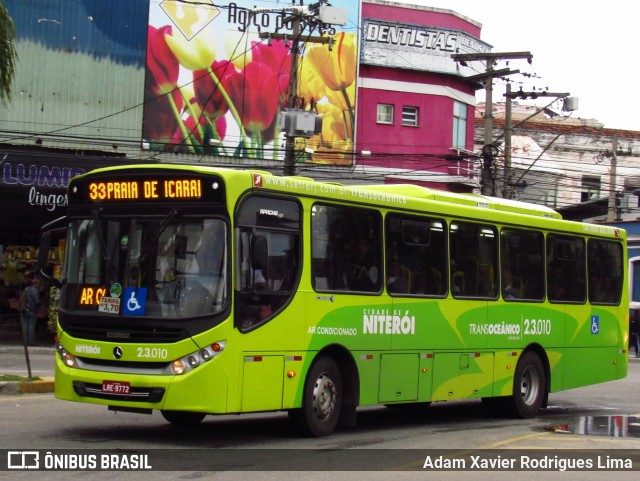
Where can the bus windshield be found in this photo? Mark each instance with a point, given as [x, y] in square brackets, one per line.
[153, 267]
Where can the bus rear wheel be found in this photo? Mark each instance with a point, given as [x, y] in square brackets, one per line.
[529, 390]
[529, 386]
[322, 400]
[183, 418]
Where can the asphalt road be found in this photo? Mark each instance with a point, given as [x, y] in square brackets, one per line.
[14, 360]
[600, 417]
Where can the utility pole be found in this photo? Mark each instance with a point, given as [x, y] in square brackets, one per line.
[506, 180]
[489, 149]
[297, 123]
[611, 211]
[289, 150]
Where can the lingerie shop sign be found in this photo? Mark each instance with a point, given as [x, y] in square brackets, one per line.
[44, 185]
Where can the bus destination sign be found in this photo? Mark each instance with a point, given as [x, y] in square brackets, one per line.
[145, 189]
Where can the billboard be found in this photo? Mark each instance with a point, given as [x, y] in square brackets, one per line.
[217, 82]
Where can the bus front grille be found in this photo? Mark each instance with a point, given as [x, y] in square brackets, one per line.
[137, 334]
[136, 394]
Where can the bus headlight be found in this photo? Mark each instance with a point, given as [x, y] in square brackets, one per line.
[192, 361]
[67, 358]
[178, 366]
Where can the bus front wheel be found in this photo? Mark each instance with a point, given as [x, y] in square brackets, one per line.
[322, 400]
[183, 418]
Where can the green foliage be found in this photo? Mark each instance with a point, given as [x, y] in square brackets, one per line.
[11, 378]
[8, 54]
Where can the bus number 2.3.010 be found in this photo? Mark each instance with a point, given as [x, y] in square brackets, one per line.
[152, 353]
[534, 327]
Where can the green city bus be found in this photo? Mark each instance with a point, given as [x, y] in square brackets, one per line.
[196, 290]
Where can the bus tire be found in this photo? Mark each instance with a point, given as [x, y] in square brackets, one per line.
[183, 418]
[529, 386]
[529, 390]
[321, 400]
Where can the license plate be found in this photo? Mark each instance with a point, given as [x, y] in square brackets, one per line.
[116, 387]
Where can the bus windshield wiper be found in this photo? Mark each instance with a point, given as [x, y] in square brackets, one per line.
[96, 220]
[154, 238]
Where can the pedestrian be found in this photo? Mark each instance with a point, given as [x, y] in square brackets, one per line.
[634, 327]
[30, 302]
[362, 269]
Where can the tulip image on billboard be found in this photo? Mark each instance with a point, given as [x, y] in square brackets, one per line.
[215, 86]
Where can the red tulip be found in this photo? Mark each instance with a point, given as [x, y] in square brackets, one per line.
[255, 93]
[208, 92]
[221, 127]
[159, 121]
[161, 63]
[278, 57]
[191, 130]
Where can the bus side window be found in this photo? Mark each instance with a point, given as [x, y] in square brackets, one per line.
[416, 255]
[604, 264]
[346, 248]
[267, 258]
[566, 268]
[474, 258]
[521, 263]
[259, 262]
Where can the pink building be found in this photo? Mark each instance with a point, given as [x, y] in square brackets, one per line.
[415, 119]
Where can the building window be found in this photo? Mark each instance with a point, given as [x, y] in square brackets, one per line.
[459, 125]
[410, 116]
[385, 114]
[590, 188]
[550, 199]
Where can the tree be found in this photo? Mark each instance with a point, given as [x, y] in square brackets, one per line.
[8, 54]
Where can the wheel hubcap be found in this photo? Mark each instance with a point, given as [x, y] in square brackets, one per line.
[529, 385]
[324, 397]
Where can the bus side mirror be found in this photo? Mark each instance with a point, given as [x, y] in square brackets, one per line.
[43, 258]
[45, 246]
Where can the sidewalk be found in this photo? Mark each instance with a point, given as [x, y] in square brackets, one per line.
[10, 334]
[13, 360]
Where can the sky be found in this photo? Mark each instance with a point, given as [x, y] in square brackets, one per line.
[588, 49]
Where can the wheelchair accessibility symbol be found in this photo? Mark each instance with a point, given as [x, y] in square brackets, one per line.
[135, 301]
[595, 324]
